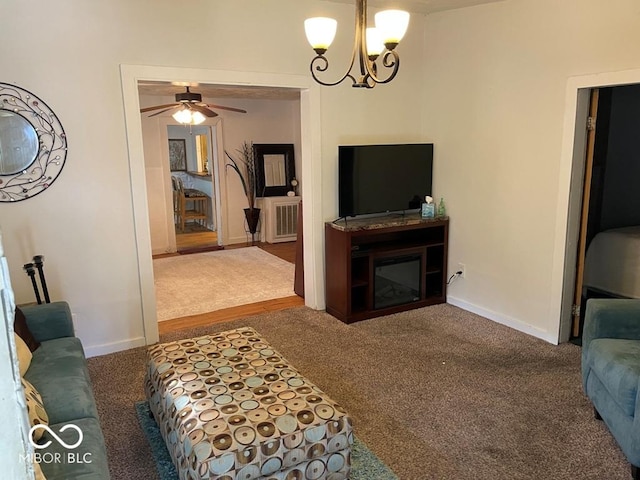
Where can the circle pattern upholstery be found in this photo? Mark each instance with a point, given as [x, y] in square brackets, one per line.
[231, 407]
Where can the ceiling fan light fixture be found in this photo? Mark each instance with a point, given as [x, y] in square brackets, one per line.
[182, 116]
[189, 109]
[197, 118]
[186, 116]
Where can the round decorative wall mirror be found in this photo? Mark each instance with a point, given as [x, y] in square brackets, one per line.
[33, 145]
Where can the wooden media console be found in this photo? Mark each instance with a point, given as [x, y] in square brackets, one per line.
[383, 265]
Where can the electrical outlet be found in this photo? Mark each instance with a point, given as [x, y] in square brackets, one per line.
[461, 269]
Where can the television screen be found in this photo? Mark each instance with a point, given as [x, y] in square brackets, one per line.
[383, 178]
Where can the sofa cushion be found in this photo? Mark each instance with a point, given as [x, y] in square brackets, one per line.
[87, 461]
[616, 363]
[35, 408]
[59, 372]
[38, 472]
[22, 330]
[24, 354]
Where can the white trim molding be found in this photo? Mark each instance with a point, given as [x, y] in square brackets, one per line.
[510, 322]
[310, 121]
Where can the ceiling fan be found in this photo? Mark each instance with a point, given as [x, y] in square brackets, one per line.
[190, 109]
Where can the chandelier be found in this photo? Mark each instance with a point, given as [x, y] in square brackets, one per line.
[368, 45]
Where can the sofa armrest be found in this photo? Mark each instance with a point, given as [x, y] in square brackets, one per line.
[49, 320]
[611, 318]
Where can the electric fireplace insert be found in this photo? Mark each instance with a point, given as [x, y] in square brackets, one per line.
[397, 280]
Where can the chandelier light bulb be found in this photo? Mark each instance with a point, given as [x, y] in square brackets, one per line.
[369, 45]
[375, 45]
[392, 25]
[320, 32]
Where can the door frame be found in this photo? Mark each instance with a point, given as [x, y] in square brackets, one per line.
[594, 95]
[570, 191]
[218, 191]
[310, 134]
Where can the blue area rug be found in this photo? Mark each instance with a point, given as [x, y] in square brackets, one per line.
[364, 463]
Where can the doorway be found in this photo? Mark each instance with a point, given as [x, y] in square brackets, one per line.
[572, 170]
[195, 186]
[310, 120]
[609, 243]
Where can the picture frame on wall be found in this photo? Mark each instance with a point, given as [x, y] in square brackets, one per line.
[178, 154]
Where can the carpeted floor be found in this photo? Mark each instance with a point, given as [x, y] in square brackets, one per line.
[436, 393]
[206, 282]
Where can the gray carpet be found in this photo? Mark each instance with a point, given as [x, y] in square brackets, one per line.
[436, 393]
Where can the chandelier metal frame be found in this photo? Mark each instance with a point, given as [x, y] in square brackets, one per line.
[368, 77]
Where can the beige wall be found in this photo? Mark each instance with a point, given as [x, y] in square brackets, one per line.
[84, 224]
[486, 84]
[495, 83]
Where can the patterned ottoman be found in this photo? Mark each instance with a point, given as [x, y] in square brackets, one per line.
[230, 407]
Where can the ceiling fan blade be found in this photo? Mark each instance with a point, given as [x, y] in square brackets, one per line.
[148, 109]
[222, 107]
[204, 110]
[162, 111]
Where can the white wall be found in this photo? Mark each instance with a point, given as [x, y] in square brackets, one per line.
[495, 83]
[485, 84]
[266, 121]
[83, 224]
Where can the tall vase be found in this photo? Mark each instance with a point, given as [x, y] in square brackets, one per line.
[252, 216]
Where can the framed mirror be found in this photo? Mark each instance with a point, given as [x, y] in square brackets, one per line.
[33, 145]
[275, 168]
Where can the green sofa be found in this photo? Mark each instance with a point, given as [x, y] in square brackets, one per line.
[59, 372]
[611, 370]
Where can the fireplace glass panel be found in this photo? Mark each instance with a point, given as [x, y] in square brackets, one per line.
[397, 281]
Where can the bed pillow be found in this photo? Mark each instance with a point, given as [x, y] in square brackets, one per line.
[22, 329]
[35, 409]
[24, 355]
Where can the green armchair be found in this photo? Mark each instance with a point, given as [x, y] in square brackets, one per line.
[611, 370]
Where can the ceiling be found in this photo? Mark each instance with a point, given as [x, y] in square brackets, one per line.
[168, 89]
[423, 6]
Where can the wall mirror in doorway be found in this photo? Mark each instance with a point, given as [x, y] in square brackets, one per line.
[275, 168]
[33, 145]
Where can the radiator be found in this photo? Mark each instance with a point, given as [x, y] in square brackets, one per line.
[281, 218]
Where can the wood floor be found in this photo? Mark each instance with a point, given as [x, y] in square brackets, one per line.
[195, 237]
[285, 250]
[228, 314]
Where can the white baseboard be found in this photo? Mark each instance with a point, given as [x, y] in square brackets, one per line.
[504, 320]
[104, 349]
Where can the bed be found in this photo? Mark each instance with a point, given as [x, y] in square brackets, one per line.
[612, 263]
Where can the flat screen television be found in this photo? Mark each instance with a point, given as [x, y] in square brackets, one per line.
[383, 178]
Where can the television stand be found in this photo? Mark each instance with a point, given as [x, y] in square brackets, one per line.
[383, 265]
